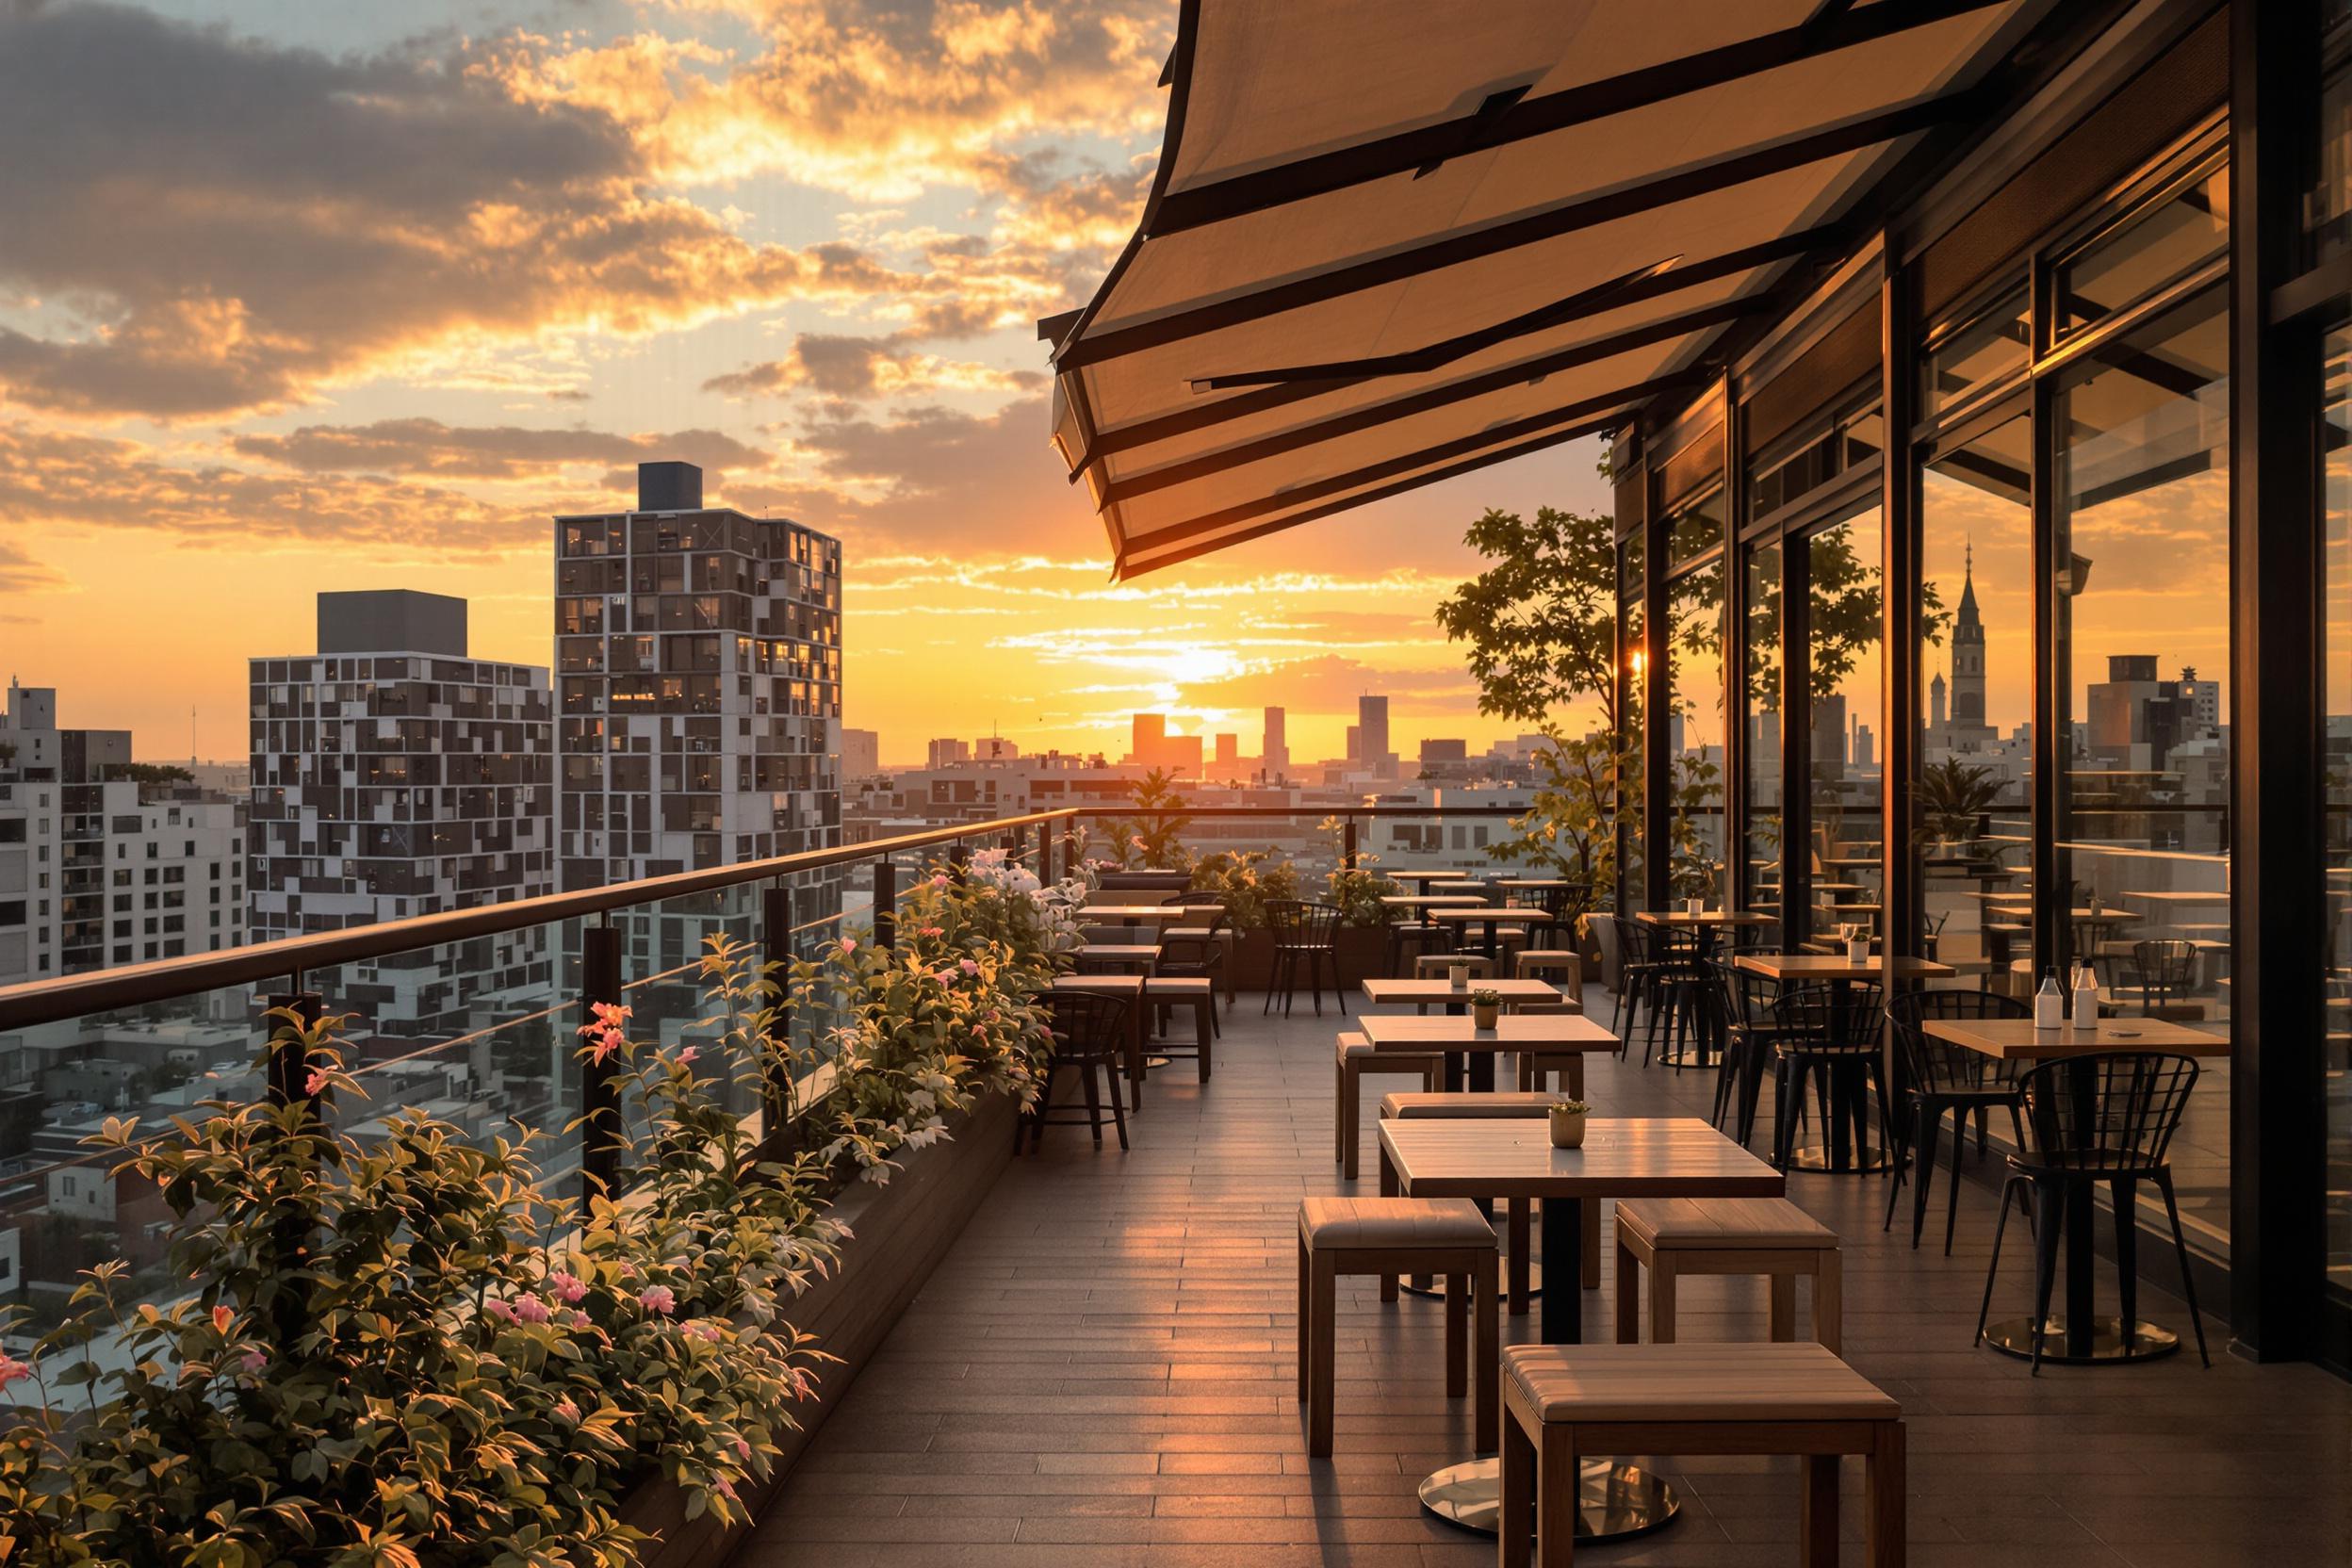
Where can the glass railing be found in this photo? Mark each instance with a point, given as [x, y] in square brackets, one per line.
[472, 1018]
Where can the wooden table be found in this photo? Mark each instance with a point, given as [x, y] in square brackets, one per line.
[1130, 987]
[1382, 990]
[1465, 1045]
[1825, 968]
[1664, 1157]
[1430, 901]
[2082, 1336]
[1423, 878]
[1491, 919]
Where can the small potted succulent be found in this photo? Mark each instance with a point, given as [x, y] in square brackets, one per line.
[1458, 977]
[1486, 1007]
[1567, 1118]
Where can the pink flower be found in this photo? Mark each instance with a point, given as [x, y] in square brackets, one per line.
[221, 1317]
[568, 1288]
[688, 1054]
[703, 1331]
[612, 1015]
[532, 1310]
[743, 1448]
[11, 1369]
[939, 881]
[945, 977]
[499, 1309]
[727, 1489]
[317, 1081]
[252, 1362]
[969, 967]
[849, 945]
[659, 1298]
[578, 1320]
[567, 1409]
[933, 931]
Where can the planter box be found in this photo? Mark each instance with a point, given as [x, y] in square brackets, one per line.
[898, 1234]
[1362, 953]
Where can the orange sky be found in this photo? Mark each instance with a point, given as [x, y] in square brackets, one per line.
[335, 298]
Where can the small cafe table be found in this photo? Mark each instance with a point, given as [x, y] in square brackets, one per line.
[1460, 1039]
[1423, 878]
[1491, 919]
[2082, 1336]
[1660, 1157]
[1430, 901]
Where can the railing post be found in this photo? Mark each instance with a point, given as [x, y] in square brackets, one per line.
[885, 903]
[1347, 842]
[288, 1071]
[599, 1097]
[775, 920]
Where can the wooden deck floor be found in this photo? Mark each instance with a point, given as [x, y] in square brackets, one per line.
[1101, 1376]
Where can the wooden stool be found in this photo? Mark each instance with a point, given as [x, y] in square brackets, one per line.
[1563, 1402]
[1540, 963]
[1399, 1107]
[1537, 1067]
[1198, 992]
[1432, 966]
[1356, 1058]
[1389, 1236]
[1674, 1236]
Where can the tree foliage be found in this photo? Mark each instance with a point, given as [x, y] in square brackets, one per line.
[1541, 621]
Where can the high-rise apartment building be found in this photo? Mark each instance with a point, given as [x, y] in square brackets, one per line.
[100, 866]
[1274, 752]
[394, 775]
[1372, 736]
[861, 753]
[947, 753]
[699, 683]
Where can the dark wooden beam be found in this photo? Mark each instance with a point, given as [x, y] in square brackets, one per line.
[1351, 423]
[1127, 568]
[1143, 433]
[1407, 152]
[1737, 168]
[1580, 414]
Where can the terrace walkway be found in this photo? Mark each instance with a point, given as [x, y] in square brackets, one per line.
[1101, 1376]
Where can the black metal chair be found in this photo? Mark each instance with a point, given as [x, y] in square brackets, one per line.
[1197, 949]
[1739, 1009]
[1830, 1034]
[1943, 1077]
[2106, 1117]
[2166, 968]
[1091, 1030]
[1667, 962]
[1303, 934]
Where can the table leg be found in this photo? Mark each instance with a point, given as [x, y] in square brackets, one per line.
[1614, 1500]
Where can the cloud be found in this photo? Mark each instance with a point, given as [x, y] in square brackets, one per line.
[428, 447]
[1330, 684]
[20, 574]
[861, 368]
[49, 477]
[223, 225]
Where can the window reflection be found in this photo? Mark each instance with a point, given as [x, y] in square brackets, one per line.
[2337, 663]
[1764, 741]
[2158, 245]
[1975, 355]
[1973, 801]
[1696, 738]
[2141, 613]
[1842, 644]
[1630, 670]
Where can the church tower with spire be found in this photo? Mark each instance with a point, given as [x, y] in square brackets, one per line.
[1967, 657]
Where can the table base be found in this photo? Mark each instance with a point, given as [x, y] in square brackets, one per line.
[1614, 1502]
[1858, 1161]
[2015, 1338]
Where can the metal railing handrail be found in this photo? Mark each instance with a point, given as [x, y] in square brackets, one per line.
[52, 1001]
[1187, 811]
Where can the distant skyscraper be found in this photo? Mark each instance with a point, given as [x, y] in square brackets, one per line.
[1372, 733]
[700, 654]
[1445, 751]
[994, 748]
[1149, 733]
[1355, 743]
[947, 753]
[861, 753]
[1229, 752]
[393, 775]
[97, 869]
[1274, 753]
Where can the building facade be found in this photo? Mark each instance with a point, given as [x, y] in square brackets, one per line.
[394, 775]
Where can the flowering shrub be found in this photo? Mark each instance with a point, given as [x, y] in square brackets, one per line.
[380, 1360]
[1247, 882]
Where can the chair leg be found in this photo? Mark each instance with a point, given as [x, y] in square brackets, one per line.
[1516, 1521]
[1886, 1480]
[2188, 1284]
[1951, 1198]
[1094, 1101]
[1351, 1122]
[1662, 1299]
[1992, 1270]
[1628, 1295]
[1784, 1112]
[2047, 1205]
[2124, 1205]
[1205, 1031]
[1783, 1288]
[1829, 1299]
[1817, 1512]
[1306, 1318]
[1119, 1106]
[1457, 1335]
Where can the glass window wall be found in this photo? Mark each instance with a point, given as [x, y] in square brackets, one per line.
[2141, 613]
[2336, 740]
[1631, 667]
[1764, 740]
[1844, 603]
[1696, 743]
[1973, 800]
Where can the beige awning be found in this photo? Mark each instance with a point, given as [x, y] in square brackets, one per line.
[1393, 240]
